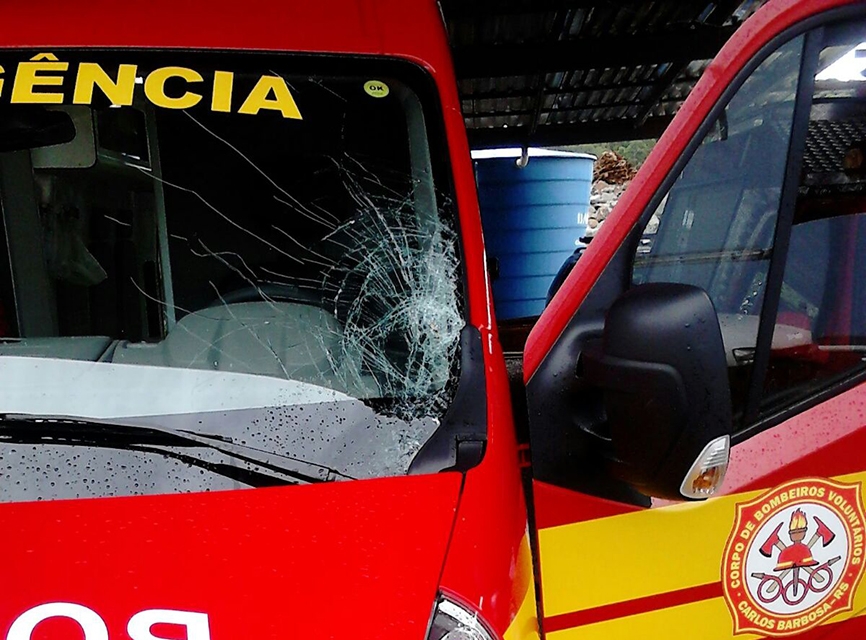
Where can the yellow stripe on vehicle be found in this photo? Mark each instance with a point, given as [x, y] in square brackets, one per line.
[635, 555]
[707, 620]
[525, 623]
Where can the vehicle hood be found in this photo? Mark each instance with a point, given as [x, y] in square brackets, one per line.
[303, 420]
[340, 560]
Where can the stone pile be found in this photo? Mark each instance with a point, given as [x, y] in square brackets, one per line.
[603, 198]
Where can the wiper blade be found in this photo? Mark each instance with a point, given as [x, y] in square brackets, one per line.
[30, 429]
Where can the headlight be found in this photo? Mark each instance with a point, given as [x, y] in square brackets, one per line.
[452, 621]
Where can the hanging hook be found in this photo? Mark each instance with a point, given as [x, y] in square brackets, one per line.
[523, 160]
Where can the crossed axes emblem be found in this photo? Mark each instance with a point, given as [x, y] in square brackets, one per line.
[820, 576]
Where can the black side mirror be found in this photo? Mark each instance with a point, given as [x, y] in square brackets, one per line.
[30, 127]
[663, 374]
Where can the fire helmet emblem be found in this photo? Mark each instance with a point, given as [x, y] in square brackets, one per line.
[794, 557]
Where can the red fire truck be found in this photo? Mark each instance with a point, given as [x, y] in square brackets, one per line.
[251, 382]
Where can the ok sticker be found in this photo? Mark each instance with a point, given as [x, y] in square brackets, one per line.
[376, 88]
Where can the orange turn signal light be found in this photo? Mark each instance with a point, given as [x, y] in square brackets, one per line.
[708, 470]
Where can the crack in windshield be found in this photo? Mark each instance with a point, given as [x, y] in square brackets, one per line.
[292, 283]
[392, 280]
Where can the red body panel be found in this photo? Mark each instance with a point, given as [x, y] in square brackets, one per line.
[483, 560]
[828, 440]
[555, 506]
[345, 560]
[324, 561]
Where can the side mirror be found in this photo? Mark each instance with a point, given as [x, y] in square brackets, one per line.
[664, 378]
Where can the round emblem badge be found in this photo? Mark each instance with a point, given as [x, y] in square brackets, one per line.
[794, 556]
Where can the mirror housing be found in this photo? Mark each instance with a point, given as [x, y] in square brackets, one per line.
[32, 127]
[663, 375]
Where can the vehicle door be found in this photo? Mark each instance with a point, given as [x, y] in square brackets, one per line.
[721, 356]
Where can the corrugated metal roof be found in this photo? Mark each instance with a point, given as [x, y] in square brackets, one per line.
[566, 71]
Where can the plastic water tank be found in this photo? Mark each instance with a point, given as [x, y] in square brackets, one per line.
[533, 218]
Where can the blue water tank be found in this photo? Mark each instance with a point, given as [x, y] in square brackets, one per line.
[533, 218]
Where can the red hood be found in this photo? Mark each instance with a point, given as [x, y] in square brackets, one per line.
[344, 560]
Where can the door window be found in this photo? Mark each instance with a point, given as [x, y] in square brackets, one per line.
[723, 221]
[715, 227]
[820, 336]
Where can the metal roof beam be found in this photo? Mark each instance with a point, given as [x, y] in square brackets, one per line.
[656, 96]
[565, 91]
[681, 45]
[722, 12]
[565, 134]
[457, 9]
[560, 30]
[505, 113]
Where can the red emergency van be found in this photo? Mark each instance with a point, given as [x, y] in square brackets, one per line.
[251, 383]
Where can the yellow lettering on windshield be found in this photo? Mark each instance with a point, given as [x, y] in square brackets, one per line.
[119, 91]
[31, 75]
[154, 87]
[223, 83]
[166, 87]
[282, 100]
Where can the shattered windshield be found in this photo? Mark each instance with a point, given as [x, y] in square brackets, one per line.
[253, 248]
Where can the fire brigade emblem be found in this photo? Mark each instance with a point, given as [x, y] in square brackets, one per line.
[794, 557]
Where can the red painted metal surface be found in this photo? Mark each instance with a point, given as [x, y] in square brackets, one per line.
[342, 560]
[555, 506]
[347, 26]
[326, 561]
[485, 560]
[827, 440]
[769, 21]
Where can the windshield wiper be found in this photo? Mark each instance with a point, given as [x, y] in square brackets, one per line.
[31, 429]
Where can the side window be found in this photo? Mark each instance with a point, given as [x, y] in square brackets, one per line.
[727, 219]
[715, 227]
[820, 331]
